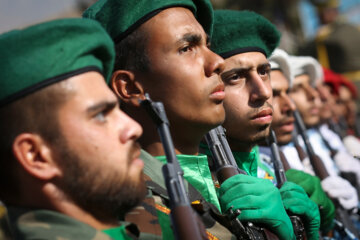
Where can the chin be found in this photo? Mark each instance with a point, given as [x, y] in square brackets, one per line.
[312, 122]
[217, 119]
[261, 135]
[284, 139]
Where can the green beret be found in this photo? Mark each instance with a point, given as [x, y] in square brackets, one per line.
[47, 53]
[237, 32]
[121, 17]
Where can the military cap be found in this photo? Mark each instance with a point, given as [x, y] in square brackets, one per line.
[279, 60]
[301, 65]
[121, 17]
[237, 32]
[49, 52]
[335, 81]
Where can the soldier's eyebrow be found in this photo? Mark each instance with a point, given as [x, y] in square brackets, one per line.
[238, 70]
[192, 38]
[102, 106]
[264, 66]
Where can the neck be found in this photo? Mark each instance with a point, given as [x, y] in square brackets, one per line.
[184, 142]
[70, 209]
[239, 146]
[52, 198]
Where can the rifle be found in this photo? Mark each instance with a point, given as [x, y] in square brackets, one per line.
[299, 149]
[316, 162]
[320, 170]
[226, 167]
[298, 225]
[186, 223]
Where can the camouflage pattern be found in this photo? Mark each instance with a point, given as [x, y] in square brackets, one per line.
[152, 217]
[50, 225]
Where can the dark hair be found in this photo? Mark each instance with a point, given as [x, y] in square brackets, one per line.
[35, 113]
[131, 51]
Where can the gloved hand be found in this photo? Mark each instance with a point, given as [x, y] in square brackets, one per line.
[347, 163]
[259, 201]
[342, 190]
[313, 189]
[297, 202]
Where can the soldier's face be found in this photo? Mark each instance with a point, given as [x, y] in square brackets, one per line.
[183, 72]
[345, 97]
[283, 119]
[97, 152]
[306, 99]
[327, 100]
[248, 101]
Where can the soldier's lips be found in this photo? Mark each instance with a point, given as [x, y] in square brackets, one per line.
[263, 117]
[314, 111]
[218, 93]
[287, 127]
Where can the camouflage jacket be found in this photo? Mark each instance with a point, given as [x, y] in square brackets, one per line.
[152, 217]
[44, 224]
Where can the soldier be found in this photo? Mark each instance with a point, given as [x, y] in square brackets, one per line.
[307, 102]
[245, 40]
[178, 69]
[334, 116]
[344, 160]
[162, 49]
[68, 154]
[283, 125]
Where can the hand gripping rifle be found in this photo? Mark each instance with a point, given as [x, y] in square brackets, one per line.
[343, 223]
[225, 167]
[279, 170]
[186, 223]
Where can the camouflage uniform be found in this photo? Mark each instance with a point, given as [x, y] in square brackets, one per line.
[44, 224]
[152, 217]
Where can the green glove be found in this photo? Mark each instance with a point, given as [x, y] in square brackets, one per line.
[313, 189]
[297, 202]
[259, 201]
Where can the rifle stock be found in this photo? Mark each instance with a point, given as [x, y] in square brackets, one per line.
[186, 223]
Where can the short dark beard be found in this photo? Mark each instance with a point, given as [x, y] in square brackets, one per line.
[98, 193]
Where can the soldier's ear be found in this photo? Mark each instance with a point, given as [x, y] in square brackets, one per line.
[35, 157]
[126, 87]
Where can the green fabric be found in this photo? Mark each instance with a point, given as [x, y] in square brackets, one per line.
[245, 161]
[237, 32]
[165, 223]
[46, 53]
[297, 202]
[45, 224]
[121, 17]
[118, 233]
[248, 161]
[259, 201]
[312, 187]
[197, 173]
